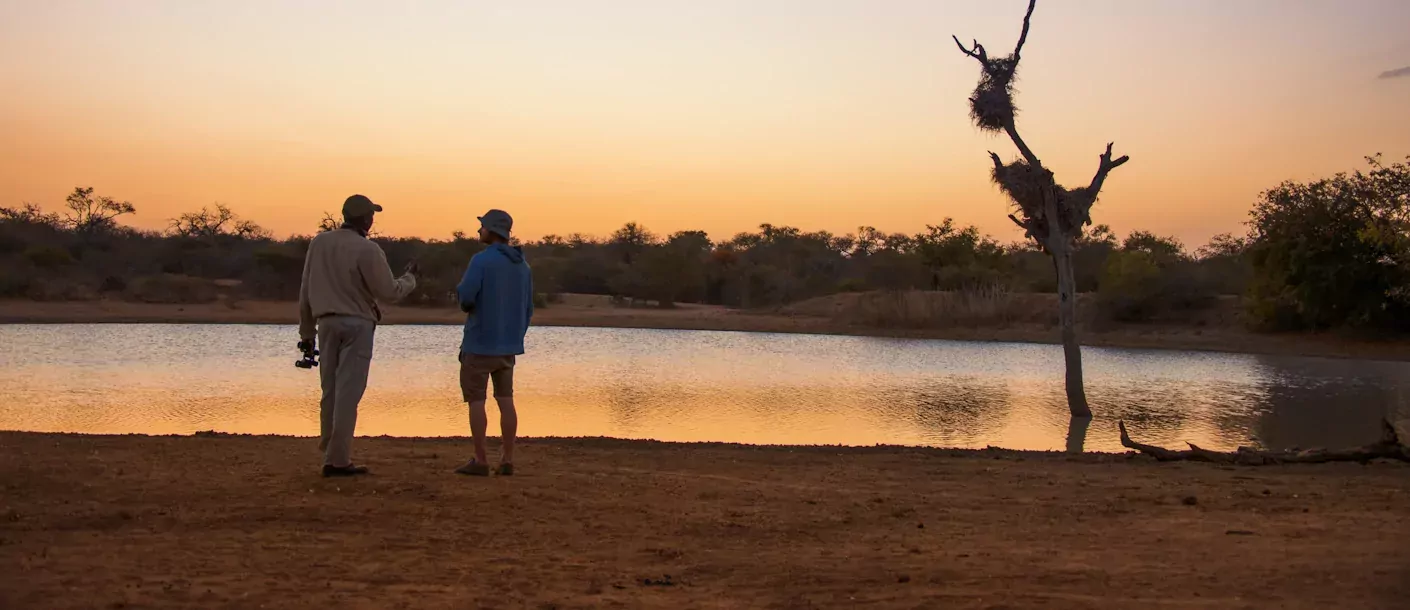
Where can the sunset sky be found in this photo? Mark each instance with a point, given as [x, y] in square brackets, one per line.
[577, 116]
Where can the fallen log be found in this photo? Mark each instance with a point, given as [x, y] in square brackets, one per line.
[1389, 447]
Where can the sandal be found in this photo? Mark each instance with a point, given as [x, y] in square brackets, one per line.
[505, 469]
[474, 469]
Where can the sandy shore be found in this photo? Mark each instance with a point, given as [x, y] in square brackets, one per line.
[245, 522]
[694, 317]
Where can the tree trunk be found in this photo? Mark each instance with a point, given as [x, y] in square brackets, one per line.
[1077, 433]
[1060, 248]
[1067, 321]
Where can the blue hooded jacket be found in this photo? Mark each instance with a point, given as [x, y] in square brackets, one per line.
[498, 294]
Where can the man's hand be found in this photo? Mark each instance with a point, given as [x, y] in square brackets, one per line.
[306, 345]
[412, 268]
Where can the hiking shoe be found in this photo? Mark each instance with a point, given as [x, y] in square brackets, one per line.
[506, 469]
[350, 470]
[474, 469]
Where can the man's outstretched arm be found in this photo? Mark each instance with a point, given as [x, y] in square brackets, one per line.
[378, 275]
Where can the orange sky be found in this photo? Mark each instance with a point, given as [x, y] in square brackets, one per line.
[578, 117]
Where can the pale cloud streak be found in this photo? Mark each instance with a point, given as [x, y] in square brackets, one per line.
[1397, 73]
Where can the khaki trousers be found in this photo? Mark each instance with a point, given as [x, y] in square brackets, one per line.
[345, 356]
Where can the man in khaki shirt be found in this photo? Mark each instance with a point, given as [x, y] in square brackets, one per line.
[345, 275]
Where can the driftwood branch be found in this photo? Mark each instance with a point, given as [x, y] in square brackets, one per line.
[1107, 164]
[1389, 447]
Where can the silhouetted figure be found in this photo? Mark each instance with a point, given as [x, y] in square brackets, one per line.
[345, 274]
[497, 294]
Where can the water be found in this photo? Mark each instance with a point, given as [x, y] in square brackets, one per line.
[694, 386]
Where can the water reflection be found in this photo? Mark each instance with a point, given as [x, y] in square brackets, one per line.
[1077, 433]
[957, 412]
[697, 386]
[1298, 394]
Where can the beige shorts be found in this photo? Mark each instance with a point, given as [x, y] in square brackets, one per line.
[477, 371]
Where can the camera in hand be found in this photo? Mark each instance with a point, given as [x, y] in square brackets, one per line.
[310, 358]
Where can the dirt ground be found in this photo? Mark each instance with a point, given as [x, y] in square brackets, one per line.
[584, 311]
[245, 522]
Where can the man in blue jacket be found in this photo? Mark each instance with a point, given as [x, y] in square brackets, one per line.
[497, 293]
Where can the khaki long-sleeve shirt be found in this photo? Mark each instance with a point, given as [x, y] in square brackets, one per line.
[346, 274]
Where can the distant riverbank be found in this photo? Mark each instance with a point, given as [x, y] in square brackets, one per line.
[598, 312]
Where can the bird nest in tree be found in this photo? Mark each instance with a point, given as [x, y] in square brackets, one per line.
[991, 104]
[1025, 185]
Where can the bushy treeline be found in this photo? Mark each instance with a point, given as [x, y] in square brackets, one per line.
[1320, 255]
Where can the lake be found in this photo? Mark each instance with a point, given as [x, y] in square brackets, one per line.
[694, 386]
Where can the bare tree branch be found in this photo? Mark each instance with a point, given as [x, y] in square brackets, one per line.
[998, 163]
[976, 52]
[1022, 38]
[1105, 168]
[1023, 148]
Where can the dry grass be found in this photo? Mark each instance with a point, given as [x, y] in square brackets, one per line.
[987, 306]
[169, 288]
[994, 308]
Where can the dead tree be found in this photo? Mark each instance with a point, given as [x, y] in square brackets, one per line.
[1388, 448]
[1049, 214]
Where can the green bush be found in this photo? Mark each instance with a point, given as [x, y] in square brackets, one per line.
[16, 279]
[433, 290]
[1272, 307]
[278, 270]
[48, 257]
[1131, 286]
[1333, 253]
[10, 240]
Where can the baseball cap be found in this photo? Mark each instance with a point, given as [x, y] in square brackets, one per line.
[358, 206]
[498, 222]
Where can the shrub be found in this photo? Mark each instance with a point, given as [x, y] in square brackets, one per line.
[991, 305]
[10, 240]
[168, 288]
[48, 257]
[16, 279]
[433, 290]
[278, 271]
[1138, 285]
[852, 284]
[61, 289]
[1130, 288]
[1272, 307]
